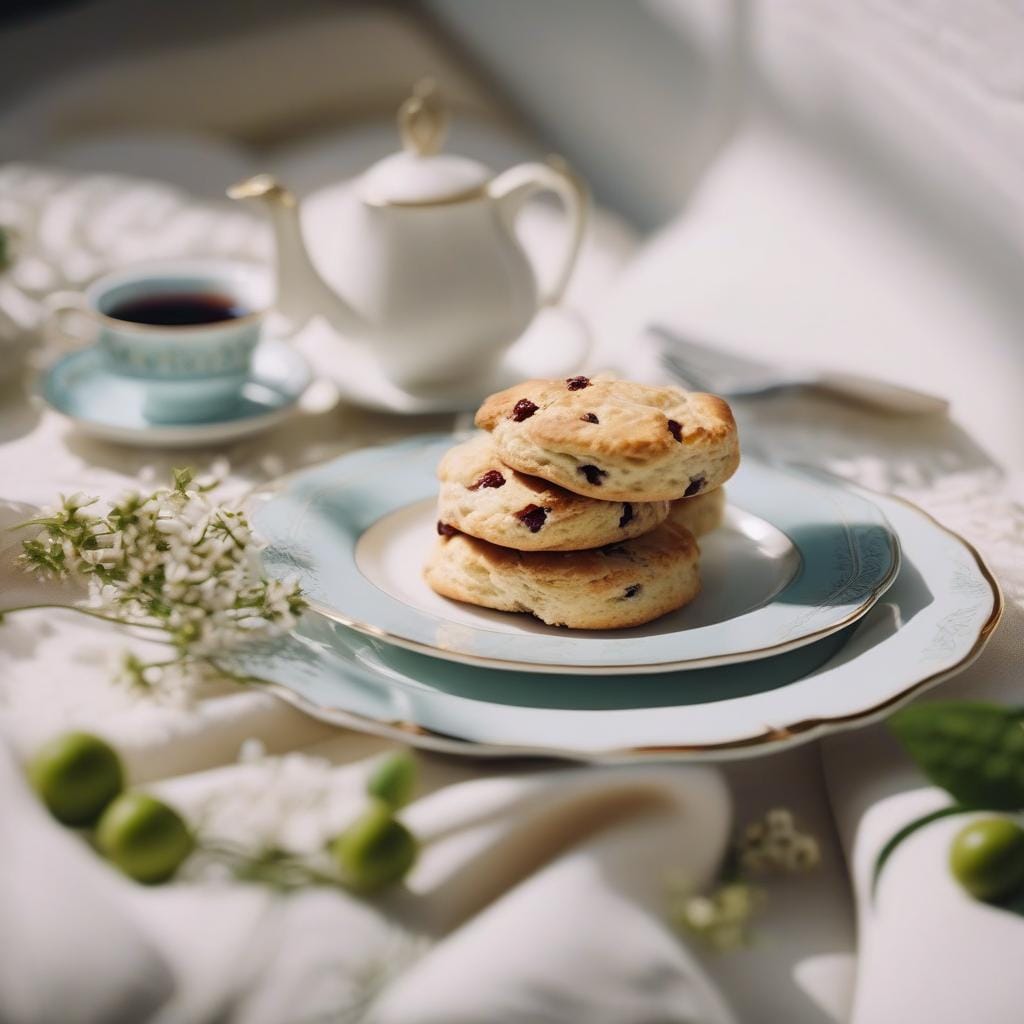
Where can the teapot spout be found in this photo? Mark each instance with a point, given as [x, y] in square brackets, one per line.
[301, 292]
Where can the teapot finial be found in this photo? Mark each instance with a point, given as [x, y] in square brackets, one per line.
[423, 119]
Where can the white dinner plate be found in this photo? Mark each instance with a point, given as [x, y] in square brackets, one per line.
[797, 558]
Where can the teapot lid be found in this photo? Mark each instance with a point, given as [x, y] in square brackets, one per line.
[420, 175]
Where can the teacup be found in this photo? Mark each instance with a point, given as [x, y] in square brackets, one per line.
[185, 329]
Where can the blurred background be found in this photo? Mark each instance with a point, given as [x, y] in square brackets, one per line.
[839, 181]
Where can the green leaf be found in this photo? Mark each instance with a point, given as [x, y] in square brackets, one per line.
[974, 751]
[182, 478]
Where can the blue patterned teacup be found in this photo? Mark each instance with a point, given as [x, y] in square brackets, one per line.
[185, 329]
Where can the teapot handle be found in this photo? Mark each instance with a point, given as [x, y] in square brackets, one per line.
[513, 187]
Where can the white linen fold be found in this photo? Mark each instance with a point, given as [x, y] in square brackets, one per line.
[539, 896]
[926, 947]
[71, 949]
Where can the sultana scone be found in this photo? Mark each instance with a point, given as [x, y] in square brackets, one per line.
[614, 440]
[483, 497]
[700, 514]
[605, 588]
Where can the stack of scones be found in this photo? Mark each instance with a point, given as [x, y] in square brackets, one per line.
[580, 501]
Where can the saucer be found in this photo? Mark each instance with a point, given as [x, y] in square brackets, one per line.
[110, 406]
[930, 624]
[554, 345]
[796, 559]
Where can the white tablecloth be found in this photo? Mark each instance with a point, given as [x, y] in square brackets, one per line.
[542, 893]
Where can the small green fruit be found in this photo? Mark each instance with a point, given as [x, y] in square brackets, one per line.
[394, 779]
[375, 851]
[76, 775]
[144, 837]
[987, 857]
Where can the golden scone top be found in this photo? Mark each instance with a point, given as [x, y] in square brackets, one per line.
[610, 417]
[614, 439]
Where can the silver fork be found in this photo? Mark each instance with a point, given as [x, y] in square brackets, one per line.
[733, 376]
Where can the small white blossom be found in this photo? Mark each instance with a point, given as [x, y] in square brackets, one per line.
[251, 751]
[775, 844]
[720, 919]
[171, 527]
[272, 465]
[699, 912]
[77, 501]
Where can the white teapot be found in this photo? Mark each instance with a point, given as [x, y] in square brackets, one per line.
[425, 266]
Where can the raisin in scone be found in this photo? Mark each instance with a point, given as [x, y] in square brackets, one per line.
[605, 588]
[612, 439]
[700, 514]
[483, 497]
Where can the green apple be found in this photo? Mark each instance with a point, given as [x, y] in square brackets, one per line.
[987, 857]
[375, 851]
[144, 837]
[76, 775]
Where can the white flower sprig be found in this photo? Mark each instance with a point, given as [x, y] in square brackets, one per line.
[173, 560]
[772, 845]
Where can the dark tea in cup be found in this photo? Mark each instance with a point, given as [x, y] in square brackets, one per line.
[179, 309]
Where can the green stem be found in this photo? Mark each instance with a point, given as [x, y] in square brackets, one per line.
[909, 829]
[85, 611]
[143, 665]
[273, 867]
[243, 679]
[227, 530]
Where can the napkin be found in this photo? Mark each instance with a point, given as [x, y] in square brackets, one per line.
[61, 907]
[538, 896]
[927, 949]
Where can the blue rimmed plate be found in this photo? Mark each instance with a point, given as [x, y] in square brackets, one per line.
[797, 558]
[930, 624]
